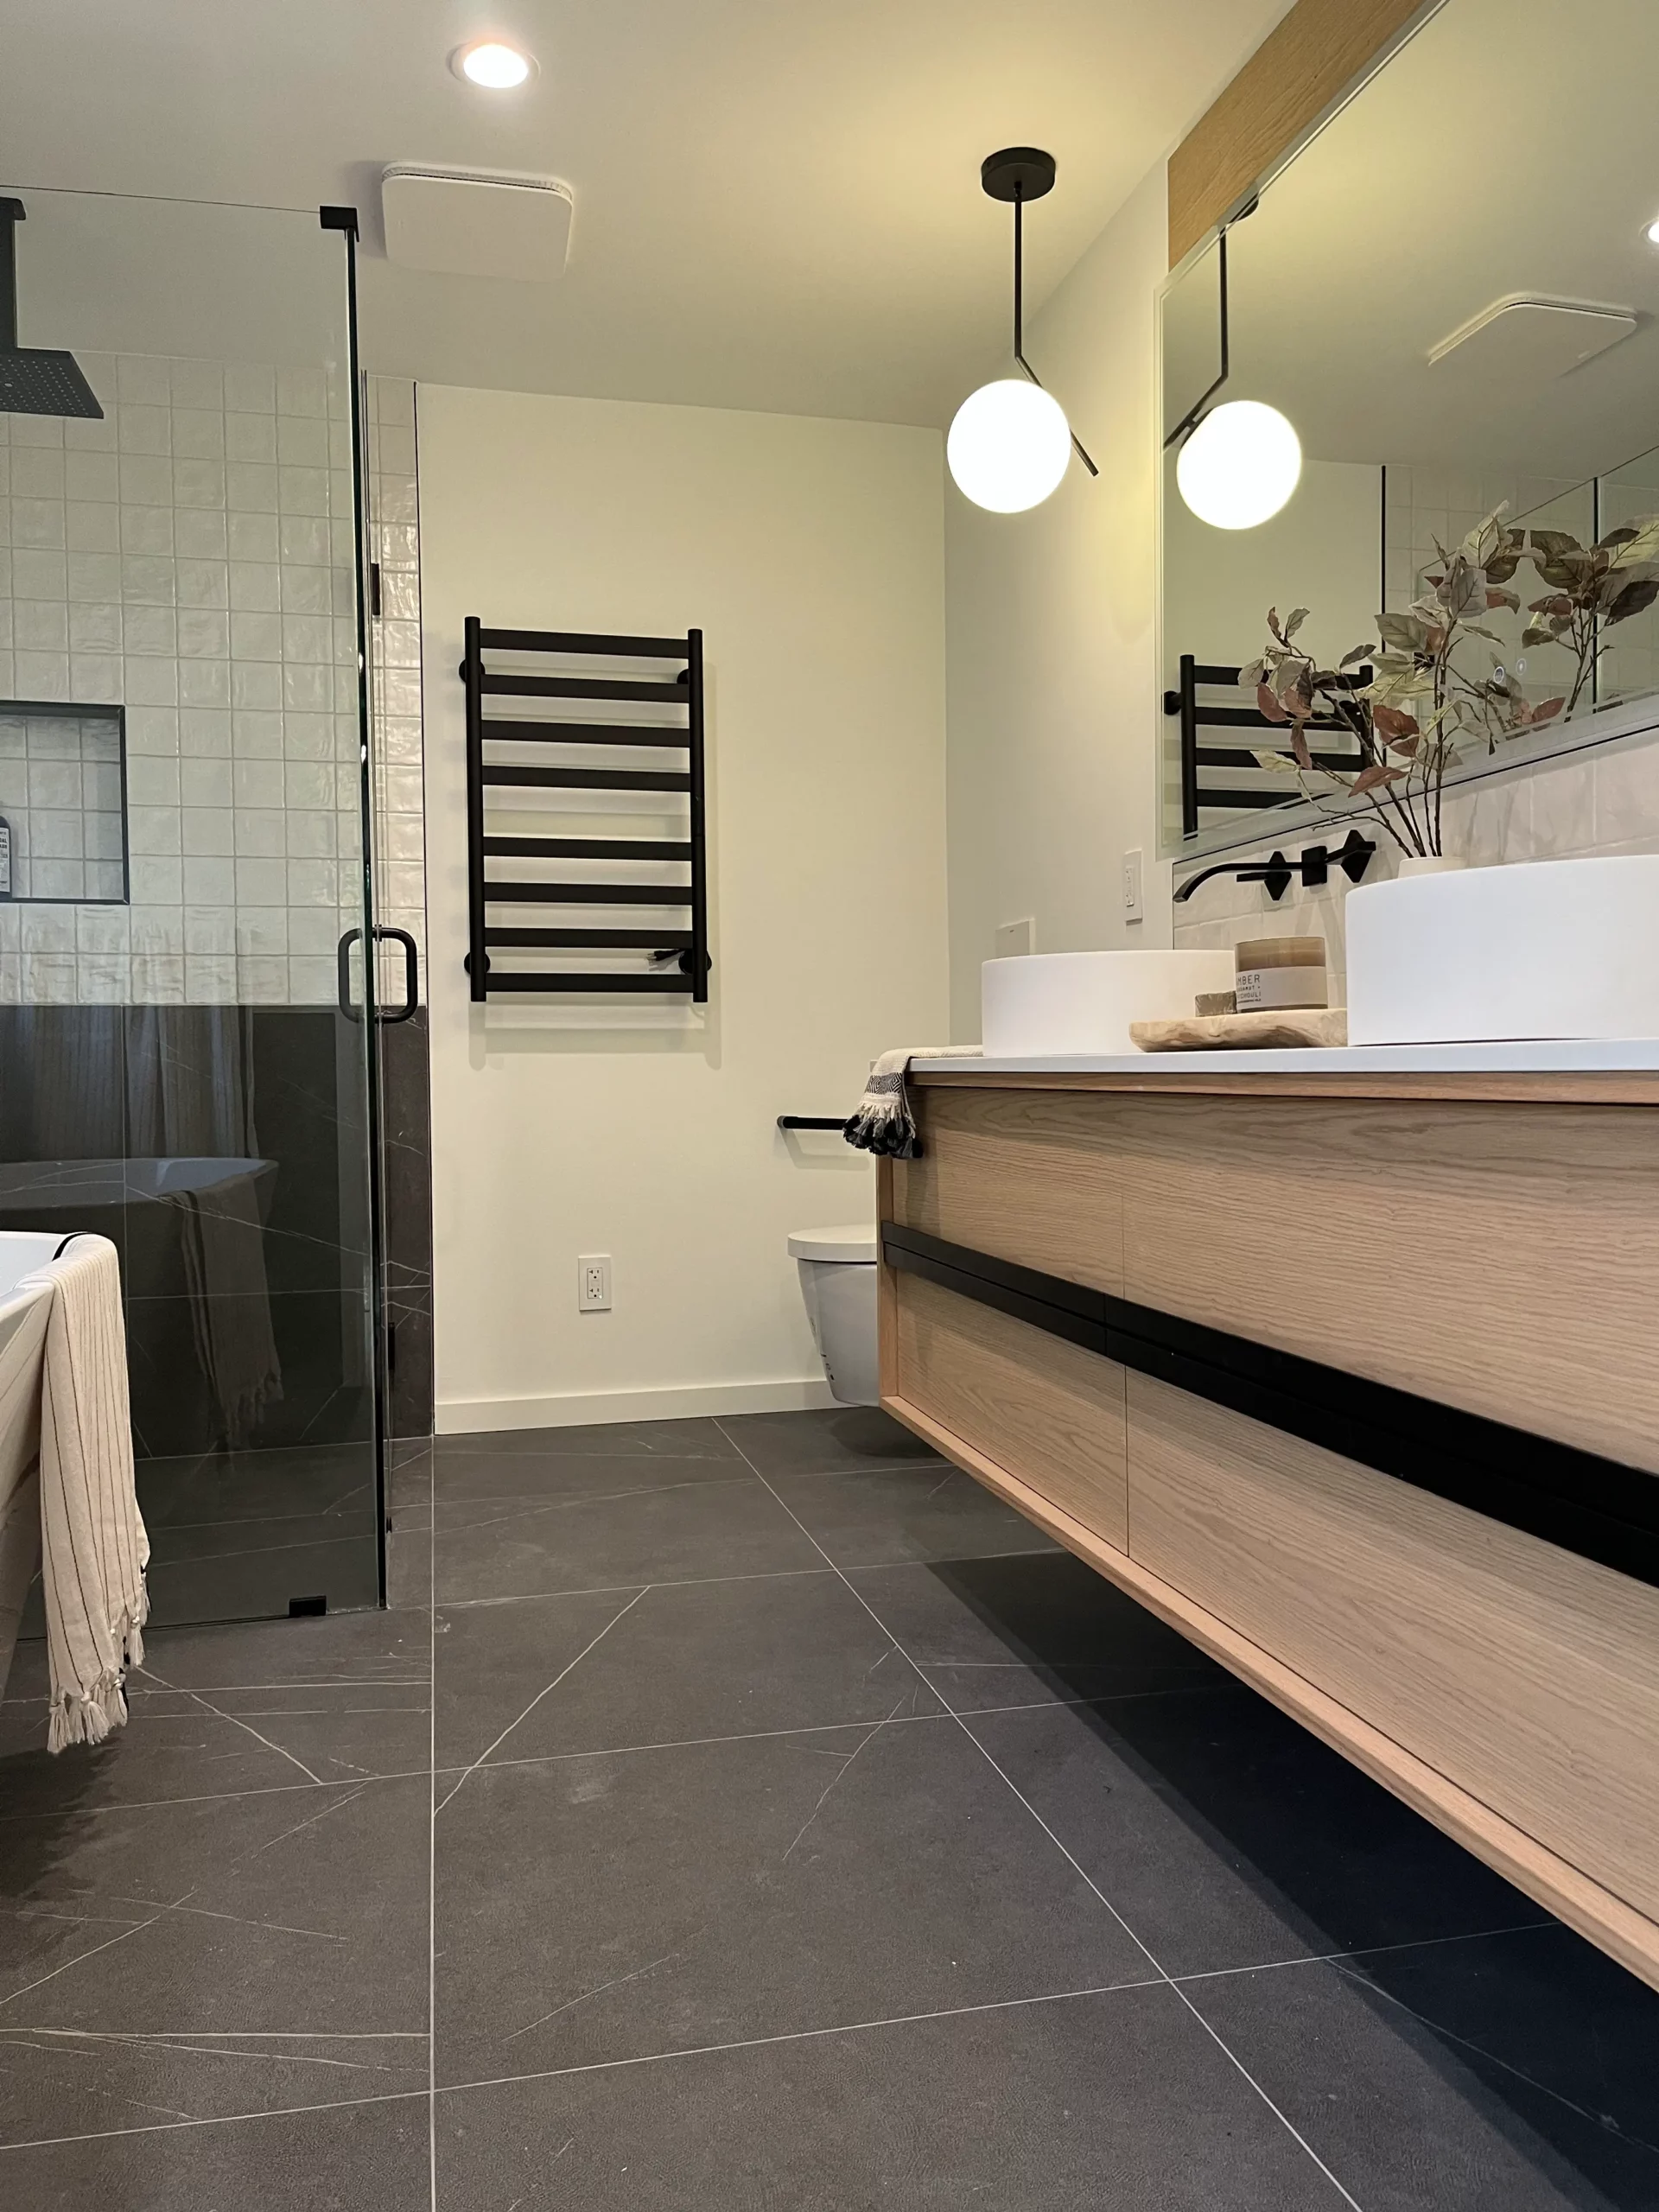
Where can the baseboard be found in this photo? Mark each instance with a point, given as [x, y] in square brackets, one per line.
[788, 1394]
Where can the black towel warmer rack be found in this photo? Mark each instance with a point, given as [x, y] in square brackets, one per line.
[1243, 783]
[679, 957]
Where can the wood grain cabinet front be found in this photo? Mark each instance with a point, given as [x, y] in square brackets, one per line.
[1529, 1677]
[1046, 1412]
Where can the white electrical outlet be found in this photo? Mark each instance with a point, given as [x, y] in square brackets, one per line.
[1135, 909]
[594, 1283]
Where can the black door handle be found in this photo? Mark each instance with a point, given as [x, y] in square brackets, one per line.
[380, 934]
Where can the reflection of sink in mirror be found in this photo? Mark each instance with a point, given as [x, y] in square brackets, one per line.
[1076, 1002]
[1544, 948]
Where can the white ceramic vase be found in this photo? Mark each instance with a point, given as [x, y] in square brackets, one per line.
[1430, 864]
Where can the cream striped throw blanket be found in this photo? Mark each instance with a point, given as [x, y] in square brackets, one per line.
[92, 1535]
[882, 1121]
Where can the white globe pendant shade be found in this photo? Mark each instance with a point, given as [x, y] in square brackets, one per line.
[1240, 465]
[1009, 446]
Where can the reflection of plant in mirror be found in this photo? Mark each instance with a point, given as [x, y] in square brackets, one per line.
[1420, 711]
[1591, 588]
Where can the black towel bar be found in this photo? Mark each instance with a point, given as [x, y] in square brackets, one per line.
[681, 953]
[810, 1122]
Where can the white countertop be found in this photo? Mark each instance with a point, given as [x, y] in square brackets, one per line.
[1533, 1056]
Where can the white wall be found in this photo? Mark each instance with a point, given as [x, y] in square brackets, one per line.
[810, 552]
[1053, 656]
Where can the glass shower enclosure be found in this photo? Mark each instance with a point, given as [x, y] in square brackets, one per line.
[187, 1061]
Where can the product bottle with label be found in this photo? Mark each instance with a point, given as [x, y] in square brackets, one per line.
[5, 858]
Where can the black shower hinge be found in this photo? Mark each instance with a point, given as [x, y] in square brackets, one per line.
[374, 589]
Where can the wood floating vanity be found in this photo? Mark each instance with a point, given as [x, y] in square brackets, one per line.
[1349, 1374]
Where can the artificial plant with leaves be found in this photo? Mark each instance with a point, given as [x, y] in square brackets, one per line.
[1416, 710]
[1591, 588]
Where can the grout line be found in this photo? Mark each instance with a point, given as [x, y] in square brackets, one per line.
[827, 1728]
[1283, 2119]
[218, 1796]
[805, 2035]
[770, 1575]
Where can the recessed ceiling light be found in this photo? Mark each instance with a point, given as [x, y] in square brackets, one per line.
[493, 64]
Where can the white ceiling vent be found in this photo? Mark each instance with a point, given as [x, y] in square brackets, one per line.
[468, 223]
[1532, 341]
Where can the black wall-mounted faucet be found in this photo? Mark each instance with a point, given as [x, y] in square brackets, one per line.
[1314, 864]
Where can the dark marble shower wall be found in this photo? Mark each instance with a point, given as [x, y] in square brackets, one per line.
[88, 1093]
[406, 1120]
[98, 1108]
[223, 1151]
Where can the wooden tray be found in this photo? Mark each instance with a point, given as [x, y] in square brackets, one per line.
[1264, 1033]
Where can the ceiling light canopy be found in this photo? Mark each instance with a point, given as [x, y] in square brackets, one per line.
[1010, 441]
[493, 64]
[1653, 233]
[1240, 465]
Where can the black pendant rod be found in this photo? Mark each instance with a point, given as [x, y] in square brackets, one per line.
[1078, 446]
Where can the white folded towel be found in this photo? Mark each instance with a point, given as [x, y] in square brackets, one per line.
[882, 1121]
[92, 1535]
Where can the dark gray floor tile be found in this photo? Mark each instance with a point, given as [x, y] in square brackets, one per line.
[882, 1517]
[841, 1439]
[1228, 1836]
[626, 1439]
[609, 1907]
[699, 1659]
[279, 1704]
[689, 1528]
[489, 1487]
[213, 1957]
[1515, 2075]
[371, 2158]
[1027, 1630]
[1119, 2102]
[409, 1560]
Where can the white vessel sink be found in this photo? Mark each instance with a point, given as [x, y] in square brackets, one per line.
[1542, 949]
[1050, 1004]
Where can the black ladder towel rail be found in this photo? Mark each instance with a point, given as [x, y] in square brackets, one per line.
[1246, 783]
[678, 953]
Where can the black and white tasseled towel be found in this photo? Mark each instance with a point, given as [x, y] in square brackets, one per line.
[883, 1121]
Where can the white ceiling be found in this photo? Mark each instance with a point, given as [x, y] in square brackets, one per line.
[777, 202]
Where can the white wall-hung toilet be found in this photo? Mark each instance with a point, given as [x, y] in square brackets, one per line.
[837, 1271]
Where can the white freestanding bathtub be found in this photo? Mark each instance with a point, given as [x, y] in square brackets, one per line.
[23, 1344]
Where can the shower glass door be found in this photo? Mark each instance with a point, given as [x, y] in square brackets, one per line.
[185, 1055]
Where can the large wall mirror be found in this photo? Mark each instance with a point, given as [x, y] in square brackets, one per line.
[1450, 295]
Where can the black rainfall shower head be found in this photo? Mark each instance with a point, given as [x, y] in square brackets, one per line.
[34, 379]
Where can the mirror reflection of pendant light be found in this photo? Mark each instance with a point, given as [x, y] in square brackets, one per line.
[1240, 462]
[1010, 441]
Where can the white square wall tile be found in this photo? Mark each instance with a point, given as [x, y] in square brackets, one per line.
[143, 379]
[210, 930]
[250, 385]
[212, 979]
[253, 538]
[199, 534]
[196, 383]
[249, 437]
[157, 979]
